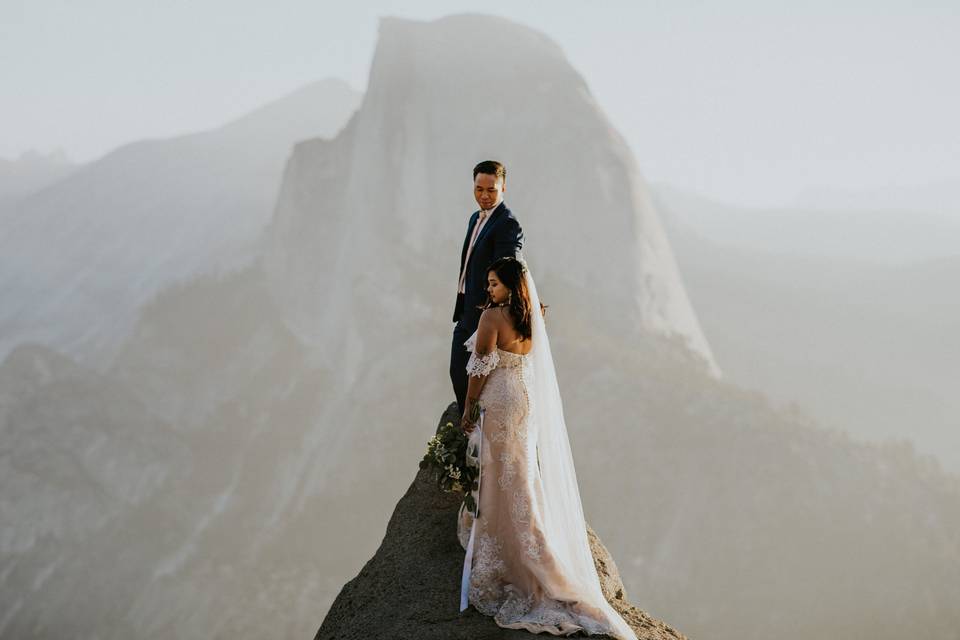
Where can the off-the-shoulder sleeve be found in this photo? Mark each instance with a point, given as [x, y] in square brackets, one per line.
[471, 342]
[480, 365]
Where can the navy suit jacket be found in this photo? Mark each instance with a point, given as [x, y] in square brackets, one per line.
[500, 236]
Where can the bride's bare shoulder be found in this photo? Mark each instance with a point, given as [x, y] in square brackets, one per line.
[494, 316]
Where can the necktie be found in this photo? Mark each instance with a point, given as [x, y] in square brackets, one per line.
[473, 238]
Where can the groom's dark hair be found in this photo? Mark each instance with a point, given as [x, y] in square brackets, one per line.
[491, 168]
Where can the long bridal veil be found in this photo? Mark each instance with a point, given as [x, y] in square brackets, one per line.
[564, 523]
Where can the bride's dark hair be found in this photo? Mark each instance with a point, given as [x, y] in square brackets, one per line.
[510, 272]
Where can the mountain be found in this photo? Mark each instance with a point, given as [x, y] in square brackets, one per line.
[893, 234]
[79, 257]
[31, 172]
[420, 551]
[82, 445]
[393, 192]
[727, 516]
[131, 521]
[291, 438]
[869, 348]
[938, 197]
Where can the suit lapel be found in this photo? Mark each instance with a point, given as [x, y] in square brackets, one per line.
[466, 240]
[492, 221]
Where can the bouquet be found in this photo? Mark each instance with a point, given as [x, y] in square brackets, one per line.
[454, 462]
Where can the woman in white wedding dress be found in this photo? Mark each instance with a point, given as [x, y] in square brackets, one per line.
[528, 561]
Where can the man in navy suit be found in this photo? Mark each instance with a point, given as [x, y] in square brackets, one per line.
[493, 232]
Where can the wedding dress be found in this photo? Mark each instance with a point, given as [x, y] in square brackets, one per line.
[528, 562]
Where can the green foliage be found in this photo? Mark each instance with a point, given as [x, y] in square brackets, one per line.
[453, 469]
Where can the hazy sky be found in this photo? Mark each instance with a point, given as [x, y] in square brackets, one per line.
[751, 102]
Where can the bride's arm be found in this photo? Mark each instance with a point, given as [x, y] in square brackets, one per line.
[486, 344]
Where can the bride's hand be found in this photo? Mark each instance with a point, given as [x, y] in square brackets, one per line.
[465, 424]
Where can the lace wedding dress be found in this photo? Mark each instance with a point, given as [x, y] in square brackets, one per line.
[529, 564]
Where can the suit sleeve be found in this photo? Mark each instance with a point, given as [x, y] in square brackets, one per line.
[509, 241]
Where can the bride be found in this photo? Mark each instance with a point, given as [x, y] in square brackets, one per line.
[528, 562]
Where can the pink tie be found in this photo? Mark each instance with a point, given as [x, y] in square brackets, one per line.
[466, 260]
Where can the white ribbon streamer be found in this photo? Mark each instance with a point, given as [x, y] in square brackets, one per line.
[468, 558]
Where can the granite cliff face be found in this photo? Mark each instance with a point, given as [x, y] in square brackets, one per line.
[375, 218]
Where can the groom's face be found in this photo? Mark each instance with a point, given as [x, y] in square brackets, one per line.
[488, 190]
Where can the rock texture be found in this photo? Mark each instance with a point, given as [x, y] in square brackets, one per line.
[410, 589]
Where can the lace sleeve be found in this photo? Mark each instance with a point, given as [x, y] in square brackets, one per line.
[482, 365]
[471, 343]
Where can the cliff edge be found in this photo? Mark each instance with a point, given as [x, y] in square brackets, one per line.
[410, 588]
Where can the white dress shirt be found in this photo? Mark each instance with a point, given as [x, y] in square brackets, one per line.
[482, 220]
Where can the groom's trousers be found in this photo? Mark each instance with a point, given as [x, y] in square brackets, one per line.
[459, 355]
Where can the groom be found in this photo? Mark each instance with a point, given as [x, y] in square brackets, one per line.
[493, 232]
